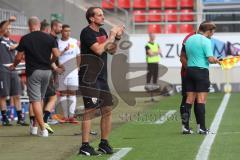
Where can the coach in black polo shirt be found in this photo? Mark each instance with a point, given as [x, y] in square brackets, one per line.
[93, 77]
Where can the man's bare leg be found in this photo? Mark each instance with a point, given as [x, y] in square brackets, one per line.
[86, 124]
[106, 122]
[37, 110]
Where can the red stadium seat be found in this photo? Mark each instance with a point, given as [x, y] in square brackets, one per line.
[154, 15]
[124, 4]
[139, 18]
[171, 15]
[155, 4]
[170, 4]
[170, 28]
[186, 4]
[16, 38]
[139, 4]
[186, 28]
[154, 28]
[108, 4]
[185, 16]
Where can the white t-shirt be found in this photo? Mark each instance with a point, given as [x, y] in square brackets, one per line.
[68, 58]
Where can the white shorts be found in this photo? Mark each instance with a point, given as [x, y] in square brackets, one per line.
[67, 83]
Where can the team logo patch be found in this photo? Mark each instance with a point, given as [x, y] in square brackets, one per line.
[94, 100]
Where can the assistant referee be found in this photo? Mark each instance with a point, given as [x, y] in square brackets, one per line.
[199, 55]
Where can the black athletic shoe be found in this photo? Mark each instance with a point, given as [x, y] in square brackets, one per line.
[187, 131]
[22, 123]
[105, 148]
[6, 123]
[88, 150]
[202, 131]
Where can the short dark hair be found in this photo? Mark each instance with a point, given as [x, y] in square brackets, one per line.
[207, 26]
[2, 23]
[90, 13]
[55, 22]
[65, 26]
[44, 25]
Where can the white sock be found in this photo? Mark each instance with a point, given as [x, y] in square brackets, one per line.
[72, 105]
[64, 104]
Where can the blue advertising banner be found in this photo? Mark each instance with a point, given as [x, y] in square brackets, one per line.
[220, 1]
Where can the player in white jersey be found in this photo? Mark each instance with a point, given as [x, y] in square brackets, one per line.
[68, 80]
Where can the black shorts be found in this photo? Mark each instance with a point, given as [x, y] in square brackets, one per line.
[10, 84]
[197, 79]
[95, 94]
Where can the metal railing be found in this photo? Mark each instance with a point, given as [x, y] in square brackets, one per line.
[19, 27]
[21, 18]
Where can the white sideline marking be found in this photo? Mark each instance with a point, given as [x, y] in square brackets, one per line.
[205, 147]
[120, 154]
[165, 117]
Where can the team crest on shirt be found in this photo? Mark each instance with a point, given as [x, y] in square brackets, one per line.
[94, 100]
[71, 45]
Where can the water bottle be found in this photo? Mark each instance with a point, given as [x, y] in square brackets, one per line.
[11, 113]
[23, 112]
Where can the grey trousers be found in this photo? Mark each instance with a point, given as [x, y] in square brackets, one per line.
[37, 84]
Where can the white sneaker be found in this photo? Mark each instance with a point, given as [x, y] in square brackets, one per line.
[43, 133]
[52, 121]
[186, 131]
[203, 132]
[33, 130]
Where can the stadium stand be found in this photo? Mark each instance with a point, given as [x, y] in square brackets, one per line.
[154, 28]
[108, 4]
[125, 11]
[126, 4]
[170, 28]
[155, 4]
[144, 12]
[139, 4]
[186, 15]
[170, 15]
[186, 4]
[139, 16]
[154, 15]
[186, 28]
[170, 4]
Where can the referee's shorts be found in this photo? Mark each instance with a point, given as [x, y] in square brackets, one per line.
[197, 79]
